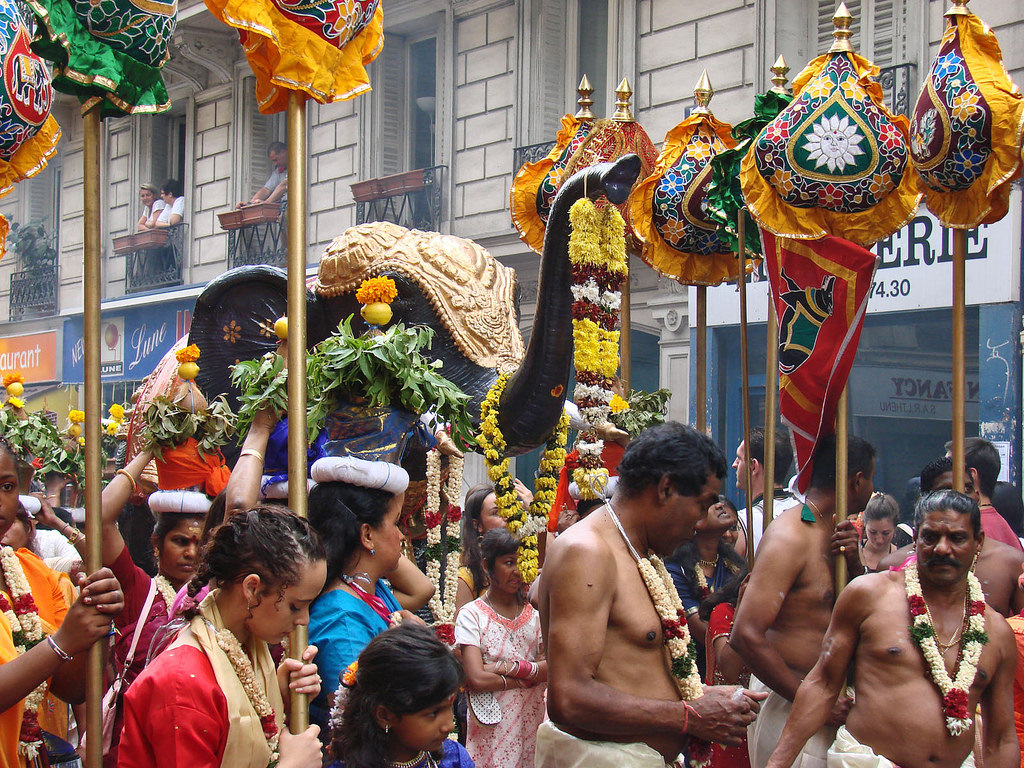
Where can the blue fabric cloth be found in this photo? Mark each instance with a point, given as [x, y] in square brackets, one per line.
[454, 755]
[687, 593]
[340, 626]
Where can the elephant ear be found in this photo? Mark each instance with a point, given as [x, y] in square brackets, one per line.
[234, 320]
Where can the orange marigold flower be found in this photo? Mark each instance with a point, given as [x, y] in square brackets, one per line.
[10, 378]
[187, 355]
[377, 289]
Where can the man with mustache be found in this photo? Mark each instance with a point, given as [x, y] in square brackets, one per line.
[926, 651]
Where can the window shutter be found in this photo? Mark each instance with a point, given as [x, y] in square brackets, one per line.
[549, 58]
[887, 47]
[393, 106]
[42, 196]
[261, 130]
[160, 141]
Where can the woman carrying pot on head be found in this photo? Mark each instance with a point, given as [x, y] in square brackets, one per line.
[213, 698]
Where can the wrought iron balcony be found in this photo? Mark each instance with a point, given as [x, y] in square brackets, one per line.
[256, 235]
[411, 199]
[531, 153]
[157, 259]
[34, 293]
[897, 83]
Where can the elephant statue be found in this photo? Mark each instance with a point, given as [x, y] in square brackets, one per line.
[447, 283]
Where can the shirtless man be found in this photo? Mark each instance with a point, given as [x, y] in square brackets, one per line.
[898, 716]
[788, 602]
[611, 698]
[998, 566]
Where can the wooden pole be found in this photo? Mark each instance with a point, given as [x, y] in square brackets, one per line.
[741, 254]
[92, 295]
[625, 338]
[959, 354]
[771, 411]
[297, 441]
[842, 476]
[701, 385]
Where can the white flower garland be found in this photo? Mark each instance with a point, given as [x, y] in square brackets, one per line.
[442, 603]
[955, 690]
[670, 609]
[31, 629]
[228, 643]
[166, 590]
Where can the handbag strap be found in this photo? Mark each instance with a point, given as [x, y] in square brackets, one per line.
[139, 623]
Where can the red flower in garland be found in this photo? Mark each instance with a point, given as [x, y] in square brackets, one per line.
[917, 605]
[30, 731]
[445, 633]
[432, 519]
[977, 608]
[37, 463]
[699, 751]
[24, 604]
[4, 605]
[954, 704]
[269, 726]
[454, 513]
[672, 628]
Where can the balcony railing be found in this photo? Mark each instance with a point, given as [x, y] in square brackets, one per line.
[897, 83]
[256, 235]
[34, 293]
[157, 259]
[531, 153]
[411, 199]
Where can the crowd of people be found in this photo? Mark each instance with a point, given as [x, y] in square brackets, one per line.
[648, 638]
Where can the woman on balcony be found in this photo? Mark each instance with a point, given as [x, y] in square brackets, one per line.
[149, 195]
[173, 211]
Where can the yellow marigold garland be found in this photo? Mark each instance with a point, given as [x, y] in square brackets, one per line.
[377, 289]
[187, 354]
[597, 253]
[524, 524]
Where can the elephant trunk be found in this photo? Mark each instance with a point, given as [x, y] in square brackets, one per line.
[532, 401]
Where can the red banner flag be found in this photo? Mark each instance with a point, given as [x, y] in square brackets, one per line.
[820, 289]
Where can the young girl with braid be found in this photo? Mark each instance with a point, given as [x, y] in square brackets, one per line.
[213, 697]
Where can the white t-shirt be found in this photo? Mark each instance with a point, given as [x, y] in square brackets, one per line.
[177, 207]
[54, 544]
[149, 210]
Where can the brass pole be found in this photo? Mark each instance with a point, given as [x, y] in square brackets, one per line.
[625, 337]
[93, 411]
[701, 385]
[741, 254]
[297, 441]
[842, 476]
[771, 411]
[959, 353]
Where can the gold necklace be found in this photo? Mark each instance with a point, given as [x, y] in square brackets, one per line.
[954, 639]
[708, 563]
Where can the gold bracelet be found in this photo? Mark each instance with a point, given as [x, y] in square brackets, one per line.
[131, 479]
[75, 534]
[252, 452]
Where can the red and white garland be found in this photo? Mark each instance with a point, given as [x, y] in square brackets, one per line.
[442, 604]
[597, 253]
[954, 690]
[243, 668]
[26, 632]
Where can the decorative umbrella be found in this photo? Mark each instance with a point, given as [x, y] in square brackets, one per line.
[670, 218]
[582, 141]
[28, 132]
[108, 53]
[966, 139]
[320, 48]
[834, 162]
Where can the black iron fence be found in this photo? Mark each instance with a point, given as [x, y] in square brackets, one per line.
[160, 265]
[34, 293]
[412, 199]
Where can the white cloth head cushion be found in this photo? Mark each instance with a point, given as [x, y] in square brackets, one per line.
[369, 474]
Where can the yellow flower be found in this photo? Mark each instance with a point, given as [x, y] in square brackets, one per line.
[81, 441]
[15, 402]
[618, 405]
[76, 417]
[10, 378]
[112, 428]
[187, 355]
[377, 289]
[117, 412]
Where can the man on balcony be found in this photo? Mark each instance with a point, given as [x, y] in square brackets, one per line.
[276, 186]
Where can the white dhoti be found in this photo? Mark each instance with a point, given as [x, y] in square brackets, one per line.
[764, 733]
[847, 752]
[558, 749]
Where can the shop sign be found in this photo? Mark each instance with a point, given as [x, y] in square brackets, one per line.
[914, 270]
[897, 393]
[34, 355]
[132, 340]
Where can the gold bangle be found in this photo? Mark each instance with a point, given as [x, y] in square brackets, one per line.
[75, 534]
[131, 479]
[252, 452]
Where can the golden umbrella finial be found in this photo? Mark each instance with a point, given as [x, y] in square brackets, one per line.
[779, 79]
[623, 114]
[703, 93]
[842, 33]
[584, 89]
[959, 9]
